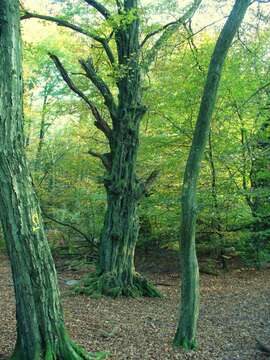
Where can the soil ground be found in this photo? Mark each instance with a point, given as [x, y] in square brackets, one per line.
[234, 312]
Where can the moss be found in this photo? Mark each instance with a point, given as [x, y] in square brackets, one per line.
[184, 343]
[108, 284]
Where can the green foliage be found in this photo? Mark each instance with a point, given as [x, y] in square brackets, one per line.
[70, 182]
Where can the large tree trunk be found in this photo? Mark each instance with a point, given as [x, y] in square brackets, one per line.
[121, 225]
[186, 332]
[40, 327]
[116, 274]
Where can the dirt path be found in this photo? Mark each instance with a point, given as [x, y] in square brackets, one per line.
[234, 311]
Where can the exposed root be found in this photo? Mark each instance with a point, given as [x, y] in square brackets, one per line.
[184, 343]
[67, 351]
[262, 347]
[108, 284]
[72, 351]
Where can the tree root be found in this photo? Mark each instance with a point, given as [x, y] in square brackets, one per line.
[262, 347]
[68, 350]
[108, 284]
[184, 343]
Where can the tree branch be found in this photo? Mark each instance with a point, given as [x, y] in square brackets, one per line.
[155, 32]
[265, 86]
[119, 5]
[89, 240]
[168, 31]
[144, 186]
[66, 24]
[100, 85]
[105, 158]
[99, 7]
[100, 123]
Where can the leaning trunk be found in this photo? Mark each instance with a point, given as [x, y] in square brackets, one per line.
[40, 327]
[186, 332]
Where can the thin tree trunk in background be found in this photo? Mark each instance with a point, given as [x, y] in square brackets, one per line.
[259, 193]
[186, 332]
[41, 332]
[41, 132]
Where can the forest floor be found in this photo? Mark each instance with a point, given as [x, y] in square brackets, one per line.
[234, 312]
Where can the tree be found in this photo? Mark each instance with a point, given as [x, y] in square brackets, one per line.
[41, 333]
[260, 190]
[116, 272]
[186, 332]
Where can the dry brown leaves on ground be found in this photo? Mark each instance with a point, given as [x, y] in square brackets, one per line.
[234, 311]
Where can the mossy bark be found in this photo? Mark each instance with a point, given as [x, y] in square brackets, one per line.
[116, 273]
[186, 332]
[40, 326]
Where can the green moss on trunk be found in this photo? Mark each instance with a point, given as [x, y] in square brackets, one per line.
[41, 332]
[109, 284]
[186, 332]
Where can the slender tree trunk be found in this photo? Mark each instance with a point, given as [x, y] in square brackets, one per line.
[41, 132]
[186, 332]
[41, 332]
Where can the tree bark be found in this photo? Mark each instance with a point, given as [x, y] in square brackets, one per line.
[116, 272]
[41, 132]
[41, 332]
[186, 332]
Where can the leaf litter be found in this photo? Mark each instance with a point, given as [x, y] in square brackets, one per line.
[234, 312]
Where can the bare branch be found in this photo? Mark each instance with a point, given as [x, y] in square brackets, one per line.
[145, 185]
[100, 122]
[105, 158]
[155, 32]
[103, 88]
[99, 7]
[168, 31]
[265, 86]
[86, 237]
[66, 24]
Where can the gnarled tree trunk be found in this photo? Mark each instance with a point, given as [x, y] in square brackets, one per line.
[116, 275]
